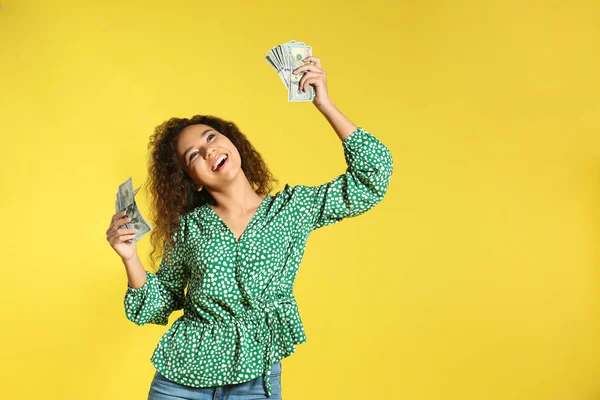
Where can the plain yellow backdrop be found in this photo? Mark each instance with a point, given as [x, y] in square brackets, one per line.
[477, 277]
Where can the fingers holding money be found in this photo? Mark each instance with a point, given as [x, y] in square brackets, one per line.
[311, 78]
[313, 74]
[308, 68]
[118, 220]
[313, 60]
[115, 232]
[118, 216]
[122, 235]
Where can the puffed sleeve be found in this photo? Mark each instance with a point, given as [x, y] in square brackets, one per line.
[163, 292]
[360, 188]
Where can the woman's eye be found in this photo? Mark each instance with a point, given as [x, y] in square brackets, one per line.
[209, 136]
[192, 155]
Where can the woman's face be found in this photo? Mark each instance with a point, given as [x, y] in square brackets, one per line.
[199, 147]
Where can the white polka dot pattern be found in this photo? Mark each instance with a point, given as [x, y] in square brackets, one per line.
[239, 312]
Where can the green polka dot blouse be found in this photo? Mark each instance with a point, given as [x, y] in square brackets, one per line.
[239, 311]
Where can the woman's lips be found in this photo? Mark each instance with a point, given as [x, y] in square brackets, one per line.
[222, 165]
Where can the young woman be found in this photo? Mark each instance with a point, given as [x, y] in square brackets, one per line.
[236, 248]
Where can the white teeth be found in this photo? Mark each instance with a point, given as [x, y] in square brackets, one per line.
[218, 160]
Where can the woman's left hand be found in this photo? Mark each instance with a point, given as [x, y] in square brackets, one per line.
[314, 75]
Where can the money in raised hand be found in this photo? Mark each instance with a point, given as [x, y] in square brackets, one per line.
[284, 59]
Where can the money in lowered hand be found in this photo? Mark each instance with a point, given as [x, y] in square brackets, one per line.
[126, 201]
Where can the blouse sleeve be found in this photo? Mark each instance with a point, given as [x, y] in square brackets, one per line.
[360, 188]
[163, 292]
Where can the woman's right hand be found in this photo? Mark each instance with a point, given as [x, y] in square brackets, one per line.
[119, 237]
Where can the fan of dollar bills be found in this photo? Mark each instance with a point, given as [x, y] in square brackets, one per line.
[126, 201]
[284, 59]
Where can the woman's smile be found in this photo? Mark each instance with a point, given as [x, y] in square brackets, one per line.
[221, 163]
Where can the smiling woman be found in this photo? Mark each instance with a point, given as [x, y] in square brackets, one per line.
[181, 177]
[236, 248]
[207, 132]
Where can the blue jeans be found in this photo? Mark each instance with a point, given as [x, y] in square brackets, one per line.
[163, 389]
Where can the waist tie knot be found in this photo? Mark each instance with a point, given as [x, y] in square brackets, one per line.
[270, 324]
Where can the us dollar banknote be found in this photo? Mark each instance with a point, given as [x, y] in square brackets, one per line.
[284, 59]
[126, 202]
[297, 53]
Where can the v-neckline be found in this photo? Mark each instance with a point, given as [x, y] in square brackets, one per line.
[237, 240]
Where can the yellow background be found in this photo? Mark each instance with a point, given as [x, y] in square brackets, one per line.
[478, 275]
